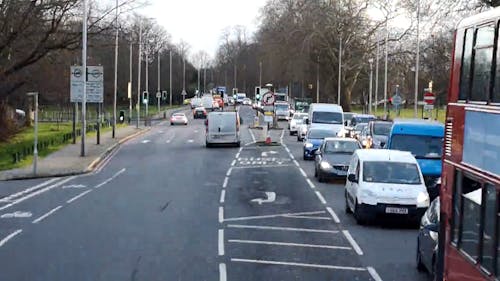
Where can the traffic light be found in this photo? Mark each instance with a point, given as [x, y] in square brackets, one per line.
[122, 116]
[235, 91]
[257, 93]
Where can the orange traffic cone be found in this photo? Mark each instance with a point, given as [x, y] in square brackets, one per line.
[268, 140]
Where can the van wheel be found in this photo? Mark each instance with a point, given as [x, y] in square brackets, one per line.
[208, 144]
[347, 209]
[360, 218]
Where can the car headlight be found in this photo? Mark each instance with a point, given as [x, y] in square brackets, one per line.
[423, 199]
[325, 165]
[308, 145]
[363, 142]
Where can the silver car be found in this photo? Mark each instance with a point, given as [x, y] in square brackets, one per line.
[178, 119]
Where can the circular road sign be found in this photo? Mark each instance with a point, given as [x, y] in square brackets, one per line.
[429, 98]
[268, 98]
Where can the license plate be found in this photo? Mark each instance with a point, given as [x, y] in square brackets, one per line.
[392, 210]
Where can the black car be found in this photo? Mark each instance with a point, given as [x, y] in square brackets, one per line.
[361, 118]
[427, 240]
[199, 112]
[332, 158]
[379, 132]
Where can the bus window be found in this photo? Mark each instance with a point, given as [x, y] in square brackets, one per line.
[466, 65]
[483, 58]
[457, 193]
[471, 217]
[490, 215]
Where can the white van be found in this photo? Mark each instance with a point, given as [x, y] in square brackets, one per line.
[222, 128]
[326, 116]
[383, 182]
[207, 101]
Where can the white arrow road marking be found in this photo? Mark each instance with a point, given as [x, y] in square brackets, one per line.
[145, 141]
[271, 196]
[190, 141]
[263, 154]
[16, 214]
[74, 186]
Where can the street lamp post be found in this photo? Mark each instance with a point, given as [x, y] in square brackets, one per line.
[340, 71]
[84, 70]
[158, 93]
[415, 109]
[139, 66]
[130, 84]
[317, 81]
[147, 84]
[385, 70]
[170, 77]
[371, 85]
[376, 76]
[116, 71]
[35, 145]
[260, 74]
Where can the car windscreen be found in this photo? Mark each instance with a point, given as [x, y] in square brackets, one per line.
[390, 172]
[299, 116]
[178, 115]
[320, 134]
[332, 147]
[423, 147]
[382, 129]
[281, 107]
[326, 117]
[363, 119]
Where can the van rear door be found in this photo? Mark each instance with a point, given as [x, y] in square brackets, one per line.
[223, 126]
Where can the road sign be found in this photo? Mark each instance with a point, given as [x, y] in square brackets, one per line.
[268, 98]
[268, 116]
[183, 93]
[158, 95]
[428, 106]
[429, 98]
[397, 100]
[95, 84]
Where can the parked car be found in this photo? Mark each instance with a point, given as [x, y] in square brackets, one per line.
[178, 119]
[383, 182]
[379, 131]
[332, 158]
[295, 122]
[222, 128]
[427, 239]
[314, 139]
[199, 112]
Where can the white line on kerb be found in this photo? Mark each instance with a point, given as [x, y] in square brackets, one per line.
[221, 242]
[275, 216]
[320, 197]
[224, 185]
[302, 172]
[229, 172]
[351, 240]
[222, 272]
[47, 214]
[10, 236]
[78, 196]
[234, 162]
[309, 182]
[222, 196]
[301, 264]
[37, 193]
[288, 244]
[221, 214]
[296, 163]
[265, 227]
[374, 273]
[334, 216]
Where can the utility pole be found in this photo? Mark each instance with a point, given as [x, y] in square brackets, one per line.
[417, 62]
[170, 78]
[235, 73]
[260, 74]
[158, 93]
[317, 81]
[84, 67]
[35, 144]
[386, 55]
[116, 71]
[147, 84]
[205, 80]
[340, 71]
[130, 84]
[199, 89]
[139, 65]
[371, 86]
[376, 76]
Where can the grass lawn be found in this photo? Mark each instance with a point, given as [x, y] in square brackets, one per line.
[406, 113]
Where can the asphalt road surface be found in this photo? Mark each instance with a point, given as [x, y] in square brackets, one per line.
[164, 207]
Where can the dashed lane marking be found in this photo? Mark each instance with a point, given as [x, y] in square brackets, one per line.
[221, 242]
[10, 236]
[302, 172]
[229, 172]
[234, 162]
[374, 273]
[310, 183]
[221, 214]
[266, 227]
[222, 272]
[222, 196]
[351, 240]
[16, 214]
[78, 196]
[44, 216]
[226, 179]
[320, 197]
[310, 265]
[296, 163]
[334, 216]
[258, 242]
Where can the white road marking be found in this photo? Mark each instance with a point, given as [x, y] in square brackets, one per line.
[222, 196]
[250, 143]
[229, 172]
[42, 217]
[351, 240]
[78, 196]
[311, 265]
[270, 197]
[145, 141]
[111, 178]
[275, 216]
[16, 214]
[308, 217]
[240, 150]
[10, 236]
[374, 273]
[287, 149]
[171, 138]
[264, 166]
[296, 163]
[310, 183]
[334, 216]
[320, 197]
[74, 186]
[237, 155]
[259, 242]
[221, 242]
[234, 162]
[282, 134]
[221, 214]
[291, 156]
[37, 193]
[302, 172]
[251, 134]
[11, 197]
[266, 227]
[226, 179]
[196, 131]
[222, 272]
[190, 141]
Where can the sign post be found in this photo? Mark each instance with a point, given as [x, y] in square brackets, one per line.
[429, 100]
[396, 102]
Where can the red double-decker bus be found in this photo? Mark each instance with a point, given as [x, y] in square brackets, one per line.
[471, 167]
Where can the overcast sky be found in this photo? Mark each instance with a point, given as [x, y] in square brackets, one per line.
[200, 22]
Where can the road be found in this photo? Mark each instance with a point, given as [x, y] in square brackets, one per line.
[164, 207]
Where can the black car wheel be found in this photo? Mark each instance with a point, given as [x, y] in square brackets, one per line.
[320, 177]
[360, 218]
[315, 171]
[420, 264]
[347, 209]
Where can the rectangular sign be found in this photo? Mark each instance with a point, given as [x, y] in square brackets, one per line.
[428, 106]
[482, 141]
[268, 118]
[95, 84]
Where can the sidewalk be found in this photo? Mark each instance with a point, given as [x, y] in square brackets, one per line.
[67, 161]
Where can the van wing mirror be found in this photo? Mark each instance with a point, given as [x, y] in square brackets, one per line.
[307, 121]
[352, 178]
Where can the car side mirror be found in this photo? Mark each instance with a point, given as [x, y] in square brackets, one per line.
[307, 121]
[434, 227]
[352, 178]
